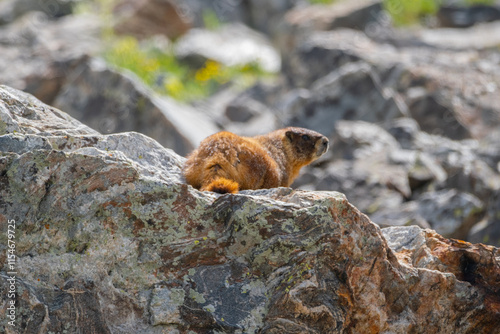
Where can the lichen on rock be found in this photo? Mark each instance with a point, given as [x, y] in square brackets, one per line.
[110, 239]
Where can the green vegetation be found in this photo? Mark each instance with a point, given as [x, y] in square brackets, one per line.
[160, 70]
[210, 20]
[322, 2]
[407, 12]
[479, 2]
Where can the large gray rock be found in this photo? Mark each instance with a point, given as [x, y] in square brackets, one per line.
[21, 113]
[350, 92]
[451, 213]
[489, 150]
[371, 187]
[262, 15]
[303, 20]
[37, 55]
[358, 140]
[116, 101]
[231, 45]
[222, 10]
[110, 238]
[10, 10]
[466, 16]
[484, 36]
[421, 80]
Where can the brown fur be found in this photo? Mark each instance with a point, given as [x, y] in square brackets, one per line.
[227, 163]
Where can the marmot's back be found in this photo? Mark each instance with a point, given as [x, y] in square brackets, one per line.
[227, 163]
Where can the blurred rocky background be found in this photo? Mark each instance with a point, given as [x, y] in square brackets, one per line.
[407, 91]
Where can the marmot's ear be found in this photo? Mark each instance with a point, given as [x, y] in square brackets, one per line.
[289, 135]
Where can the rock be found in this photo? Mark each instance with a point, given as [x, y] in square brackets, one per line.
[422, 169]
[451, 213]
[23, 114]
[10, 10]
[489, 150]
[404, 130]
[488, 230]
[425, 249]
[405, 214]
[475, 177]
[428, 112]
[266, 15]
[231, 45]
[109, 236]
[220, 11]
[302, 20]
[146, 18]
[414, 77]
[358, 139]
[249, 117]
[370, 187]
[44, 53]
[467, 170]
[112, 101]
[261, 15]
[353, 14]
[352, 92]
[462, 17]
[463, 39]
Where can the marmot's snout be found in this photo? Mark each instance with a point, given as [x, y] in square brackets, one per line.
[322, 146]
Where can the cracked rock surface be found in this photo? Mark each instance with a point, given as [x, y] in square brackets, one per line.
[110, 239]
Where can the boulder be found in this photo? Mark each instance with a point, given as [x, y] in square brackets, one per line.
[481, 37]
[351, 92]
[249, 117]
[466, 16]
[113, 101]
[37, 55]
[488, 230]
[231, 45]
[448, 92]
[405, 214]
[216, 12]
[110, 238]
[303, 20]
[450, 212]
[358, 139]
[10, 10]
[370, 187]
[146, 18]
[422, 169]
[489, 150]
[266, 15]
[357, 14]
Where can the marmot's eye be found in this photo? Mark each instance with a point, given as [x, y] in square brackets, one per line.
[306, 137]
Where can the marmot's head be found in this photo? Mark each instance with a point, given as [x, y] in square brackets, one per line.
[307, 145]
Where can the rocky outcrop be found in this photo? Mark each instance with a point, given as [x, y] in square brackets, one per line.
[130, 106]
[462, 17]
[231, 45]
[110, 239]
[10, 10]
[442, 96]
[146, 18]
[420, 104]
[39, 54]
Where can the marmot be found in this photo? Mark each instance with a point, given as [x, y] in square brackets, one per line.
[227, 163]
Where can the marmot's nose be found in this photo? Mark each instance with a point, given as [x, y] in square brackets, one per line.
[324, 145]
